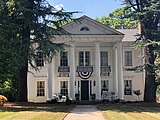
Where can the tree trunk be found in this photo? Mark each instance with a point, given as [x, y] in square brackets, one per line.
[150, 84]
[150, 89]
[22, 93]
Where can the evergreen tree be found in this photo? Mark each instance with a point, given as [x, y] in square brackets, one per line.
[118, 19]
[30, 32]
[148, 15]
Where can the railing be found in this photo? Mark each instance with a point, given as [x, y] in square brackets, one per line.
[84, 68]
[105, 69]
[63, 69]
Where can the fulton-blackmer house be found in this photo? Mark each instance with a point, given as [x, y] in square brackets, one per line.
[93, 62]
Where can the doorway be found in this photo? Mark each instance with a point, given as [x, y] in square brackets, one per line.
[84, 90]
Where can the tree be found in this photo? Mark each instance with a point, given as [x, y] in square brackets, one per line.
[31, 32]
[118, 19]
[147, 13]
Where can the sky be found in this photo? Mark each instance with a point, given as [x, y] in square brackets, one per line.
[91, 8]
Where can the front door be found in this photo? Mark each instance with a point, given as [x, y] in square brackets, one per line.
[85, 90]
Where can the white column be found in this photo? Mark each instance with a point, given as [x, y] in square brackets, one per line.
[49, 96]
[72, 70]
[115, 70]
[120, 69]
[53, 76]
[97, 70]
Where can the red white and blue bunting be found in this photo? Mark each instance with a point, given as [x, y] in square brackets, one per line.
[85, 75]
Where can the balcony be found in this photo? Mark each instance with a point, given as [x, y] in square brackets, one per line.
[105, 69]
[63, 69]
[84, 68]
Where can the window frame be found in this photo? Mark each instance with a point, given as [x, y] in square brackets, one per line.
[64, 89]
[84, 58]
[129, 91]
[128, 58]
[63, 60]
[107, 86]
[39, 59]
[103, 58]
[40, 88]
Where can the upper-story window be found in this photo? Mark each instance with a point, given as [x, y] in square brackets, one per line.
[104, 58]
[128, 58]
[84, 58]
[84, 29]
[64, 59]
[39, 59]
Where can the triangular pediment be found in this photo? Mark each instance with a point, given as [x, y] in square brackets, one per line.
[88, 26]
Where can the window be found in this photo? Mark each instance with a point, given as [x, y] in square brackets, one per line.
[64, 87]
[104, 58]
[84, 58]
[64, 59]
[128, 58]
[39, 59]
[84, 29]
[127, 87]
[104, 86]
[40, 88]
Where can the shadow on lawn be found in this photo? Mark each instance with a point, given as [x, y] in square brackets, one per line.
[132, 107]
[35, 107]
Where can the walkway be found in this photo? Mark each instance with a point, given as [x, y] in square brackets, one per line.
[84, 112]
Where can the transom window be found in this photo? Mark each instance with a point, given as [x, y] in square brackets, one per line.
[40, 88]
[84, 58]
[127, 87]
[64, 59]
[104, 58]
[64, 87]
[104, 86]
[39, 59]
[128, 58]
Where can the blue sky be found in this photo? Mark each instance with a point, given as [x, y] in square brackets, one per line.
[91, 8]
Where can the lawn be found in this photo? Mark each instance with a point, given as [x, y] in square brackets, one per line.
[132, 111]
[30, 111]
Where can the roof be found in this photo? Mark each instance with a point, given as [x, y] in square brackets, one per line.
[129, 34]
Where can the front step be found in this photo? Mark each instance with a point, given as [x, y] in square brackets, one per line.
[88, 102]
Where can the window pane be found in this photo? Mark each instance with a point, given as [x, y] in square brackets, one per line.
[128, 58]
[104, 86]
[104, 58]
[81, 58]
[87, 58]
[127, 87]
[39, 59]
[64, 87]
[40, 88]
[64, 59]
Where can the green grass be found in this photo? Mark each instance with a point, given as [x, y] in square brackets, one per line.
[34, 112]
[133, 111]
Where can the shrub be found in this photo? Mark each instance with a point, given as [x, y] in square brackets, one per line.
[3, 99]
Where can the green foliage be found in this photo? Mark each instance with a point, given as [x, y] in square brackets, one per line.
[118, 19]
[25, 29]
[158, 91]
[147, 13]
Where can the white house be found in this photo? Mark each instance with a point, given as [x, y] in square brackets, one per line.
[94, 62]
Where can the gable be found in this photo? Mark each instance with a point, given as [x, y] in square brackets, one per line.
[88, 26]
